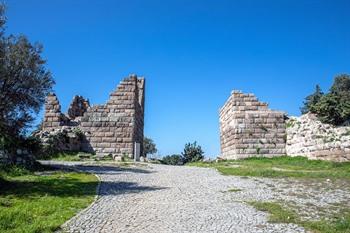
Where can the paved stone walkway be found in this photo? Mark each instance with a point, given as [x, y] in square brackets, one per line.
[161, 199]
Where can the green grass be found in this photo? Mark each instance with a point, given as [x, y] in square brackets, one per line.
[43, 202]
[339, 223]
[67, 156]
[278, 167]
[235, 190]
[278, 214]
[76, 156]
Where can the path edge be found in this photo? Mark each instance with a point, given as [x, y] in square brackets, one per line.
[63, 227]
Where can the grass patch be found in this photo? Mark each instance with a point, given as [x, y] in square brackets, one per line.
[77, 156]
[235, 190]
[70, 156]
[339, 223]
[42, 202]
[278, 214]
[278, 167]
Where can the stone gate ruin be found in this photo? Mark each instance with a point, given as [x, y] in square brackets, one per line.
[249, 128]
[111, 128]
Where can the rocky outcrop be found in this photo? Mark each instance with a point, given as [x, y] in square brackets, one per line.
[65, 138]
[307, 136]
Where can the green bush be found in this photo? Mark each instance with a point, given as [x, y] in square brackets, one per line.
[10, 144]
[173, 160]
[333, 107]
[51, 148]
[13, 170]
[32, 144]
[6, 142]
[192, 153]
[80, 134]
[149, 147]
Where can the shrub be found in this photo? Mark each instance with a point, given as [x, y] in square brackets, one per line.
[126, 158]
[6, 142]
[79, 133]
[32, 144]
[332, 110]
[11, 144]
[173, 160]
[192, 153]
[334, 107]
[149, 147]
[51, 147]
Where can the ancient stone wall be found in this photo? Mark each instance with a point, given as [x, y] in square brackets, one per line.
[21, 157]
[78, 107]
[249, 128]
[307, 136]
[139, 113]
[53, 115]
[111, 128]
[116, 126]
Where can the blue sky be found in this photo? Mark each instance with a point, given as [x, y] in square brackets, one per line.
[192, 53]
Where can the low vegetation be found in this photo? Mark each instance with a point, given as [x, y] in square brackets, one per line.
[192, 153]
[175, 160]
[42, 201]
[76, 156]
[278, 167]
[235, 190]
[339, 223]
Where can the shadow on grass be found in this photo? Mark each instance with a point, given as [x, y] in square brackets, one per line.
[107, 170]
[56, 184]
[62, 187]
[69, 188]
[99, 170]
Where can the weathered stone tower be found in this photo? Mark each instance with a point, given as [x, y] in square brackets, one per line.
[53, 115]
[249, 128]
[112, 128]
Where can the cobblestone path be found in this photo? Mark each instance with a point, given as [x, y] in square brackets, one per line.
[160, 199]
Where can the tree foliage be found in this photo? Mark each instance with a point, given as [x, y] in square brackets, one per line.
[312, 99]
[24, 81]
[341, 86]
[192, 153]
[334, 107]
[175, 160]
[149, 147]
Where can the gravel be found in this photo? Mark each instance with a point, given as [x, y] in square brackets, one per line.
[157, 198]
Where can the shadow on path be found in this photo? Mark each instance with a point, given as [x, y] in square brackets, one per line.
[122, 188]
[109, 170]
[56, 186]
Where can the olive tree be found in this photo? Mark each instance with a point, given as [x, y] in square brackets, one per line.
[149, 147]
[24, 82]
